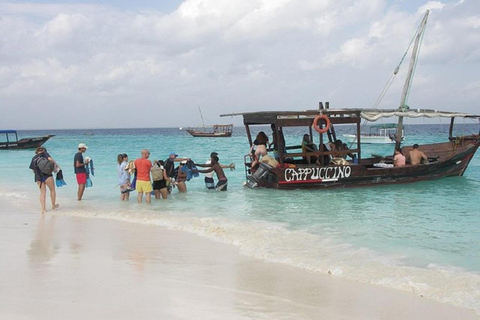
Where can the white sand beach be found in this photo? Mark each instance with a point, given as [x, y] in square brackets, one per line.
[63, 267]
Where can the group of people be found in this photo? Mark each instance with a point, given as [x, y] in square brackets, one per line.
[261, 145]
[160, 176]
[416, 157]
[157, 177]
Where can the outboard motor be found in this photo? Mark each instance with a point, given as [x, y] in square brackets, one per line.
[259, 175]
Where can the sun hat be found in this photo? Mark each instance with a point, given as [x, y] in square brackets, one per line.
[82, 145]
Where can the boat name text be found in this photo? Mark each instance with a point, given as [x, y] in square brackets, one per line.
[323, 174]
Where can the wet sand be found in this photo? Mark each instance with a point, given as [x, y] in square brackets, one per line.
[63, 267]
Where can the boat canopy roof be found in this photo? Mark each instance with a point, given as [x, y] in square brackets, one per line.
[7, 131]
[375, 114]
[269, 117]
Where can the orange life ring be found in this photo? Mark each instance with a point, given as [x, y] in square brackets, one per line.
[317, 127]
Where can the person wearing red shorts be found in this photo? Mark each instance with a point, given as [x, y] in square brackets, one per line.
[80, 170]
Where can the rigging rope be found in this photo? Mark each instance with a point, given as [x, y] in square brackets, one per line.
[392, 77]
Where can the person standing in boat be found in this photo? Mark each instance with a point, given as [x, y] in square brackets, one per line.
[278, 141]
[417, 156]
[43, 179]
[261, 143]
[308, 146]
[399, 159]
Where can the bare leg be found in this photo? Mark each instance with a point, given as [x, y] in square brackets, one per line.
[81, 189]
[148, 197]
[157, 194]
[140, 197]
[122, 195]
[182, 187]
[53, 194]
[43, 195]
[164, 193]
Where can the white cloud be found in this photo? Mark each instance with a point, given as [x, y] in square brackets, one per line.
[431, 5]
[237, 54]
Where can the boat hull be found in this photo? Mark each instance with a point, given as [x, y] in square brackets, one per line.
[452, 159]
[209, 134]
[26, 143]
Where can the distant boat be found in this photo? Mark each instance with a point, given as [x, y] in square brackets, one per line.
[25, 143]
[217, 130]
[88, 134]
[384, 133]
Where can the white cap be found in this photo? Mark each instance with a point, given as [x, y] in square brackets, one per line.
[82, 145]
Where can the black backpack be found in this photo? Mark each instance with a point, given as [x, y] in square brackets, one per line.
[45, 166]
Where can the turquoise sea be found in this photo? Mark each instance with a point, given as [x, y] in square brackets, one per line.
[419, 237]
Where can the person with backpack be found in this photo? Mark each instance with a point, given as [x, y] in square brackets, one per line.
[80, 171]
[43, 167]
[159, 177]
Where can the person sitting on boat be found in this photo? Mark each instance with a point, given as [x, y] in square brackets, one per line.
[217, 168]
[351, 155]
[308, 146]
[261, 142]
[417, 156]
[325, 159]
[399, 159]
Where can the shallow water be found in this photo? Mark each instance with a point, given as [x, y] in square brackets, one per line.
[419, 237]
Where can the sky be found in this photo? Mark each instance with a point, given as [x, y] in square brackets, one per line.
[127, 64]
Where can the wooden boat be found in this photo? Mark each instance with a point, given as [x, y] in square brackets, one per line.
[326, 167]
[25, 143]
[384, 133]
[297, 169]
[217, 130]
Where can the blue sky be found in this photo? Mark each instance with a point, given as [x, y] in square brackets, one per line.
[227, 56]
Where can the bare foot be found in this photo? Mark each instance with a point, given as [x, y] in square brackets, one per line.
[56, 206]
[44, 211]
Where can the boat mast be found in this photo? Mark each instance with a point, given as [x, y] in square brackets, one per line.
[408, 82]
[201, 116]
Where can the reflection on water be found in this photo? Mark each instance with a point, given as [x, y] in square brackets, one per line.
[43, 247]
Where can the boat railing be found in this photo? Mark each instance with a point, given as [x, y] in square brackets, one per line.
[322, 153]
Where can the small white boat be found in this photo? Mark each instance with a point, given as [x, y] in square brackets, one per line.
[384, 133]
